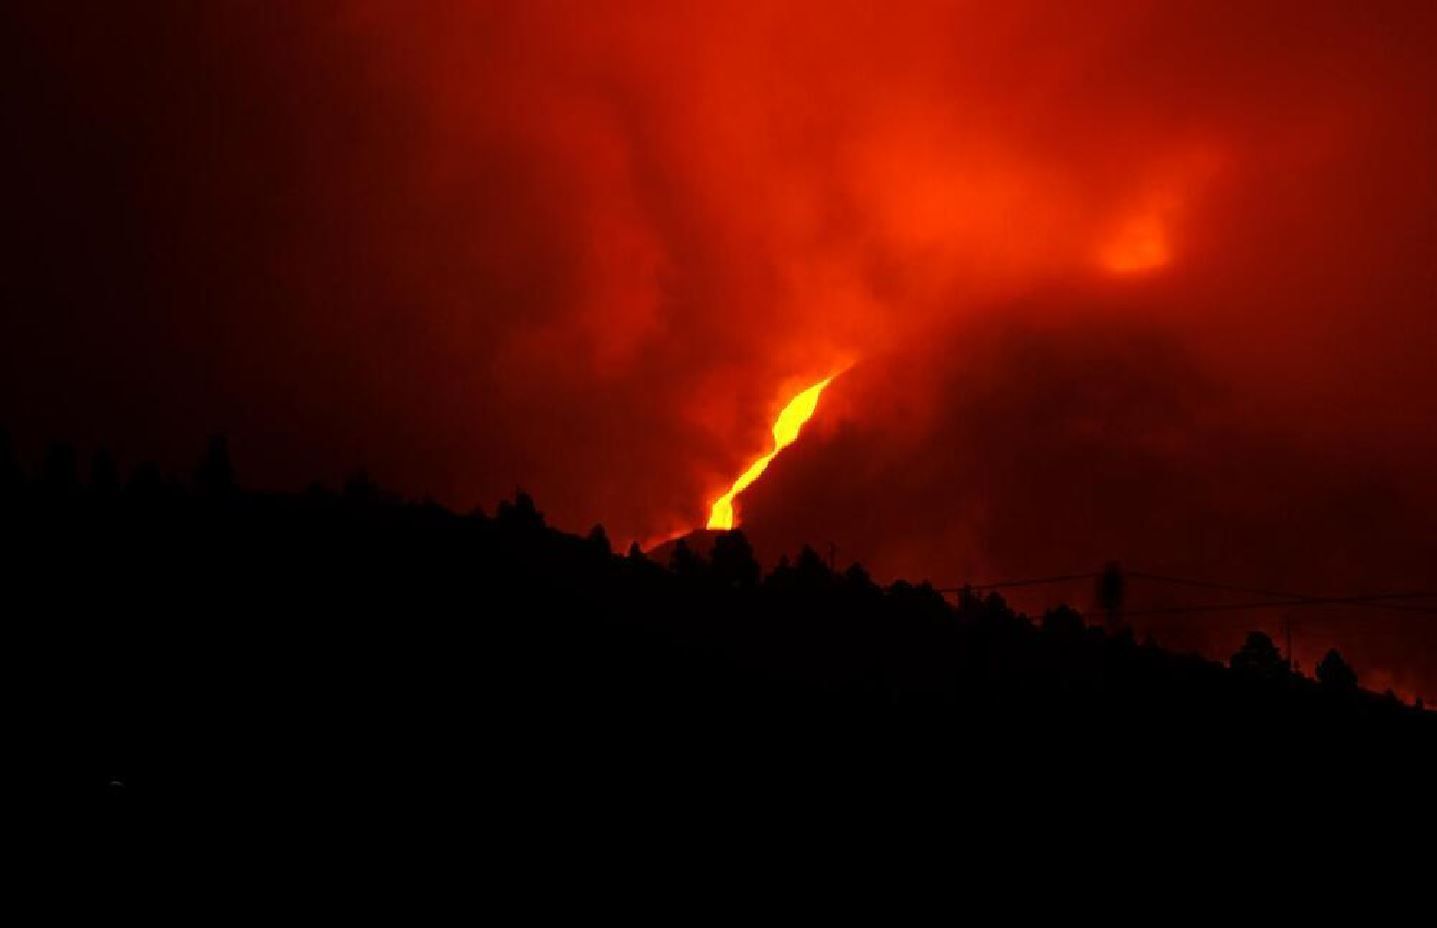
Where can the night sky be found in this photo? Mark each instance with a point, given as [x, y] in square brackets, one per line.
[1152, 282]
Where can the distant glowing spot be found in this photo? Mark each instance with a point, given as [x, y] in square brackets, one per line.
[785, 431]
[1140, 245]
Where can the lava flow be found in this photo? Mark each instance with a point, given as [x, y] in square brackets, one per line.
[785, 431]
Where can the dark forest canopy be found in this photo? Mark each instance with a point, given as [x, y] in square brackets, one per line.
[189, 636]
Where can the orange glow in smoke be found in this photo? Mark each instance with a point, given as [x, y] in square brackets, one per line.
[1140, 245]
[785, 431]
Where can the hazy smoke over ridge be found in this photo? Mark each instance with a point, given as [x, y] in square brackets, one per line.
[1146, 281]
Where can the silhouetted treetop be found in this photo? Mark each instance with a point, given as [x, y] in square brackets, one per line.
[60, 474]
[856, 576]
[733, 561]
[598, 541]
[521, 514]
[214, 475]
[359, 487]
[146, 483]
[1063, 622]
[685, 562]
[1111, 587]
[11, 476]
[104, 474]
[1335, 673]
[810, 570]
[1259, 658]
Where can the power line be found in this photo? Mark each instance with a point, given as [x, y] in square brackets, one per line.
[1004, 584]
[1210, 585]
[1376, 601]
[1373, 600]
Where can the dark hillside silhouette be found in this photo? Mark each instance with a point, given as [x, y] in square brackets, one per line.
[197, 648]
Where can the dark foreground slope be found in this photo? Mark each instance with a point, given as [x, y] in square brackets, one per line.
[227, 658]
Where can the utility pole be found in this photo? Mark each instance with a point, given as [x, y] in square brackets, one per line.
[1111, 586]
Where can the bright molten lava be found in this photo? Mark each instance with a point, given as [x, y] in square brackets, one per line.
[785, 430]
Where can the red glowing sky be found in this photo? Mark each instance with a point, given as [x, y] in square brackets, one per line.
[1147, 281]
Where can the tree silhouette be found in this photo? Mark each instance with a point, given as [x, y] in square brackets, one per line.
[1259, 658]
[11, 477]
[782, 574]
[521, 515]
[359, 487]
[598, 541]
[146, 483]
[684, 562]
[857, 577]
[214, 475]
[733, 561]
[1063, 622]
[104, 474]
[1111, 589]
[60, 474]
[809, 570]
[1335, 673]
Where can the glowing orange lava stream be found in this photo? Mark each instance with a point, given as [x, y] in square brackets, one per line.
[785, 430]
